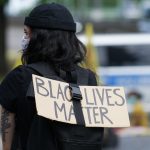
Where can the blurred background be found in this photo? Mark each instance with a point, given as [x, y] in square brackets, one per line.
[117, 36]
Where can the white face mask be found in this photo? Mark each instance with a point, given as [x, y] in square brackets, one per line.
[24, 43]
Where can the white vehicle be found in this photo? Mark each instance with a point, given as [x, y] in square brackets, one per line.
[125, 61]
[118, 39]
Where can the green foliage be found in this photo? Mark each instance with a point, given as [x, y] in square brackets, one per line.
[49, 1]
[110, 3]
[44, 1]
[137, 1]
[3, 2]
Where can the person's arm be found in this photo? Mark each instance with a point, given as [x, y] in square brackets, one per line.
[7, 128]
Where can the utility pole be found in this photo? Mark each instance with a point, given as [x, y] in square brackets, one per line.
[3, 64]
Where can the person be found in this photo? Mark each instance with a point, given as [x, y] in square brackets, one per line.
[138, 115]
[50, 38]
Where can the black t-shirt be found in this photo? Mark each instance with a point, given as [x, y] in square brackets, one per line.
[13, 91]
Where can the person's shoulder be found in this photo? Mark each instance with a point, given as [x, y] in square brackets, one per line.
[90, 72]
[15, 74]
[91, 75]
[16, 71]
[11, 88]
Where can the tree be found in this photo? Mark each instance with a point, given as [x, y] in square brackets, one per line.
[3, 64]
[43, 1]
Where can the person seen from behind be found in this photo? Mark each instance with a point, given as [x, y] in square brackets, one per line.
[49, 37]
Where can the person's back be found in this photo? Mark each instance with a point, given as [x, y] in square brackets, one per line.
[49, 38]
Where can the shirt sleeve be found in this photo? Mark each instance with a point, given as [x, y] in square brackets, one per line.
[10, 88]
[92, 79]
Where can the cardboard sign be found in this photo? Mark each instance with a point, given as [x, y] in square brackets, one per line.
[102, 106]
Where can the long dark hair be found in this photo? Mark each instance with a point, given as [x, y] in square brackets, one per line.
[57, 47]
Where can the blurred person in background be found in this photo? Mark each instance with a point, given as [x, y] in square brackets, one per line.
[138, 116]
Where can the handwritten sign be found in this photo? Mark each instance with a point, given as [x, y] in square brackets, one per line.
[102, 106]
